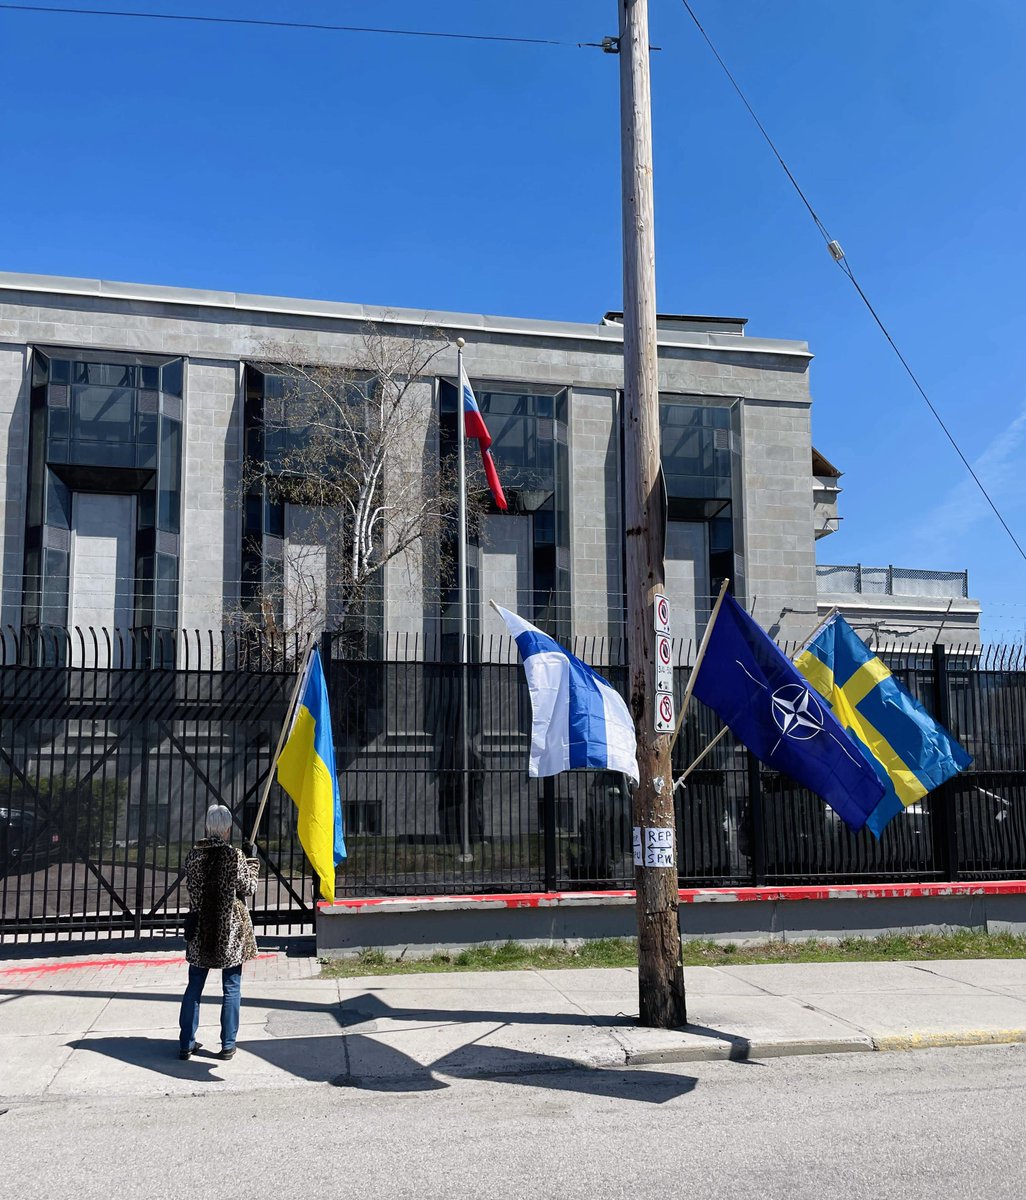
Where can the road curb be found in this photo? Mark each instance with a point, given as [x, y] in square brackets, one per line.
[965, 1037]
[741, 1049]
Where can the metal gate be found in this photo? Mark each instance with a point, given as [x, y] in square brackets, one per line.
[106, 774]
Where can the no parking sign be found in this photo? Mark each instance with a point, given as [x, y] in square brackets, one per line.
[664, 715]
[664, 664]
[661, 614]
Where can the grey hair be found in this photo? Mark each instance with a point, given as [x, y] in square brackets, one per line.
[219, 822]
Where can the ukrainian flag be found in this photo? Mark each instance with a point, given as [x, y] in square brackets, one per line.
[306, 770]
[911, 752]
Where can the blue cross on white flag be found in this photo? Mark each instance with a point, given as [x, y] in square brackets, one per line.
[578, 720]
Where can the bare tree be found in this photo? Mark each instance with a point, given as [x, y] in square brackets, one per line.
[351, 464]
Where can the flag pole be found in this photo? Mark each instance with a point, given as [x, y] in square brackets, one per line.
[715, 742]
[811, 637]
[461, 426]
[698, 662]
[285, 729]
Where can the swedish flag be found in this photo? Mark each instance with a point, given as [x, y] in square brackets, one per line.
[911, 753]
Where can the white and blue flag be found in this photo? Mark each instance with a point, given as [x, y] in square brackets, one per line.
[578, 720]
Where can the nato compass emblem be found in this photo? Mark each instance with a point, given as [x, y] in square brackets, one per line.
[796, 712]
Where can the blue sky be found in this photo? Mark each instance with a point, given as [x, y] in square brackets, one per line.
[466, 176]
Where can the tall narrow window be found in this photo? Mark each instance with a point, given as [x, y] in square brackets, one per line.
[104, 505]
[700, 471]
[520, 558]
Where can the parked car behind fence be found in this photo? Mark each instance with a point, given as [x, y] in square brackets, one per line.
[26, 838]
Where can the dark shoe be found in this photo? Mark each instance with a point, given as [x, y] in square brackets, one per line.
[191, 1051]
[227, 1054]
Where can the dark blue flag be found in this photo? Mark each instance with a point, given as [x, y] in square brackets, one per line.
[756, 690]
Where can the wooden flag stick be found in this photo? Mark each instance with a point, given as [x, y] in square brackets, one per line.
[715, 742]
[698, 662]
[811, 637]
[285, 728]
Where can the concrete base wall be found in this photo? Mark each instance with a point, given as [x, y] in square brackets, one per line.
[415, 928]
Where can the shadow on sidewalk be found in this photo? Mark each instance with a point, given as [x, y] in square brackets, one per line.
[364, 1011]
[153, 1054]
[740, 1047]
[314, 1059]
[529, 1069]
[382, 1068]
[338, 1042]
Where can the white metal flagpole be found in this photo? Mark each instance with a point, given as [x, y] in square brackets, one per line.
[461, 426]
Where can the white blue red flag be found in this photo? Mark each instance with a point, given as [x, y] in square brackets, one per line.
[578, 720]
[473, 423]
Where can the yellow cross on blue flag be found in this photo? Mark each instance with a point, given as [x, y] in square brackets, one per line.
[754, 688]
[306, 770]
[911, 753]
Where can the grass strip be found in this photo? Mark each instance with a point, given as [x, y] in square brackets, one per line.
[622, 952]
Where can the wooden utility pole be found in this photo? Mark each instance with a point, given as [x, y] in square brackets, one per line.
[660, 973]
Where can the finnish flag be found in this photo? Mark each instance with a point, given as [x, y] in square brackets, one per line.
[578, 720]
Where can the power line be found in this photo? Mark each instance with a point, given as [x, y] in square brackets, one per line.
[839, 257]
[323, 28]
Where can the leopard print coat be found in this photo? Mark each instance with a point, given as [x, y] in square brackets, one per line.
[218, 879]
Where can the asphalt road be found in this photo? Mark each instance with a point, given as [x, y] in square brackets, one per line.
[934, 1123]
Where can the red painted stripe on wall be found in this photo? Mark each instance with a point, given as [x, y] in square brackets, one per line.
[92, 963]
[860, 891]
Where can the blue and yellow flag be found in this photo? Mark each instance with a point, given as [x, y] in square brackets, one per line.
[306, 770]
[911, 753]
[754, 688]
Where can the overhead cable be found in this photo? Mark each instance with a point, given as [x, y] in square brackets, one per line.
[324, 28]
[839, 257]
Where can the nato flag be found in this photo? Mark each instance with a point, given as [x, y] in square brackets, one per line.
[754, 688]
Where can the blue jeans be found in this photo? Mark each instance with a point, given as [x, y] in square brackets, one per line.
[231, 1001]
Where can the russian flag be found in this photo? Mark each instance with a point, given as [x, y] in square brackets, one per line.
[473, 424]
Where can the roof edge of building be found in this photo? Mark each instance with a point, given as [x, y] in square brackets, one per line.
[334, 310]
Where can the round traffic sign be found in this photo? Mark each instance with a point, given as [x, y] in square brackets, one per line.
[665, 708]
[664, 651]
[663, 612]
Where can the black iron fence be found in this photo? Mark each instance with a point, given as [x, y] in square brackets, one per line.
[106, 772]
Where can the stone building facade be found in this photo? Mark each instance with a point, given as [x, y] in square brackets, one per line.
[123, 425]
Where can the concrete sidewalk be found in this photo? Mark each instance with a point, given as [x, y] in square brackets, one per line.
[106, 1025]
